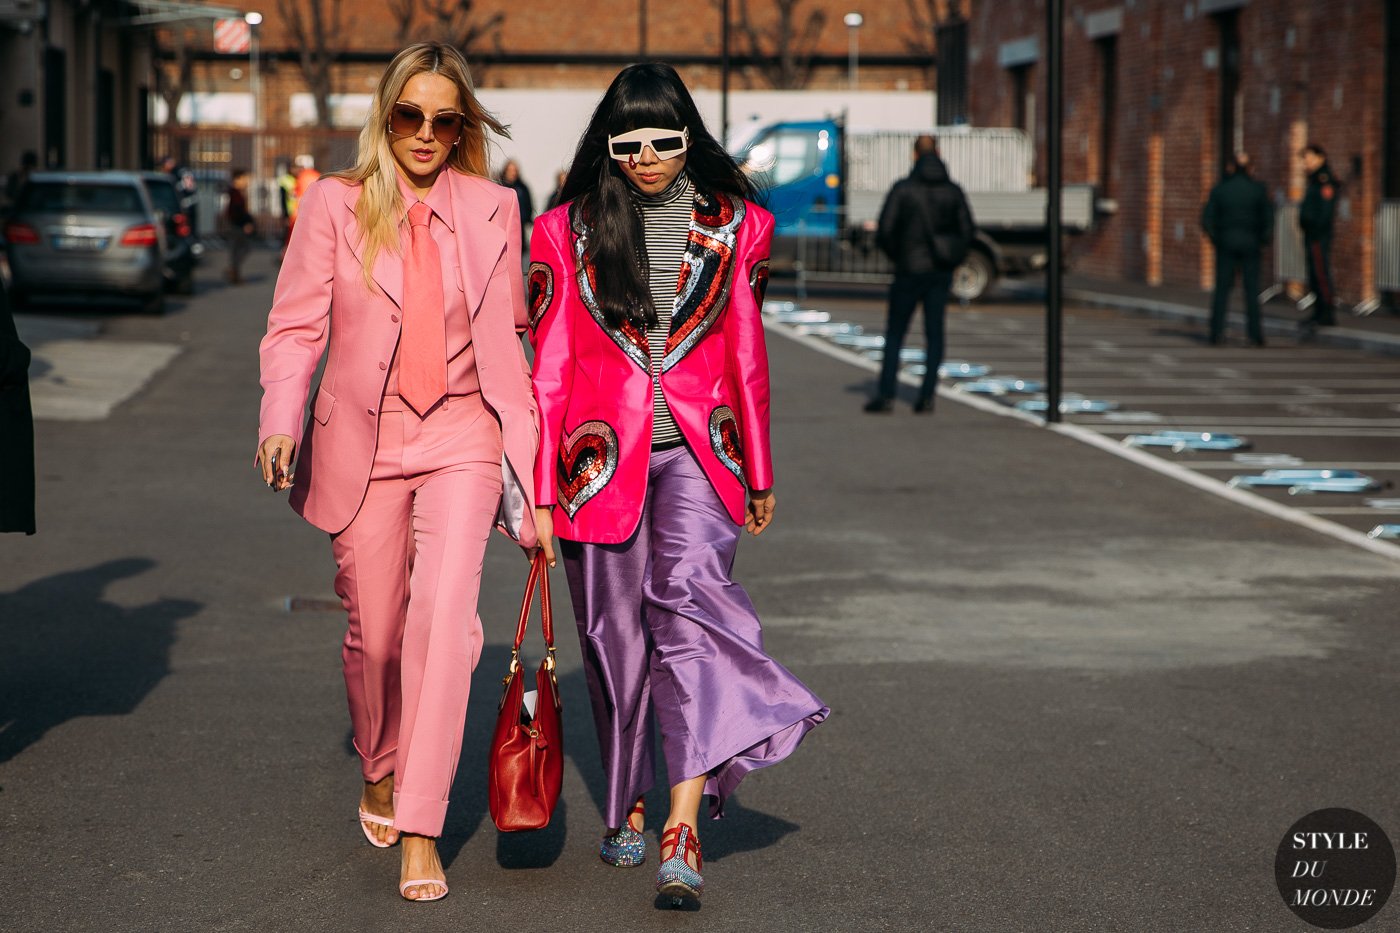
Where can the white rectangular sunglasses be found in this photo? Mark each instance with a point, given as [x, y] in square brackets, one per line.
[667, 144]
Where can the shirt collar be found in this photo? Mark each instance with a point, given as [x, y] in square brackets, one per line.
[439, 197]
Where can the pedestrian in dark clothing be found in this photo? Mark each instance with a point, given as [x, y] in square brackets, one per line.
[186, 187]
[510, 177]
[926, 229]
[1239, 220]
[16, 428]
[1315, 216]
[239, 224]
[28, 165]
[556, 197]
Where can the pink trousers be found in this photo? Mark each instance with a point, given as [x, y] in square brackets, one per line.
[409, 571]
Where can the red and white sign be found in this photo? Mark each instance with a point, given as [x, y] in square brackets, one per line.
[232, 36]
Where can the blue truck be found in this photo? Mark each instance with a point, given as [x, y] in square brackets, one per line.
[825, 183]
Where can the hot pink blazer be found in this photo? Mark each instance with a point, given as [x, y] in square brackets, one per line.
[594, 383]
[322, 299]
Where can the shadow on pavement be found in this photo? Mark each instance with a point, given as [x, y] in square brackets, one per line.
[68, 652]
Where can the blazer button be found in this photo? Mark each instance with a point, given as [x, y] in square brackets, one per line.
[394, 318]
[383, 365]
[370, 410]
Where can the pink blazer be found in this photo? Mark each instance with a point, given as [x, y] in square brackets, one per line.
[321, 299]
[594, 383]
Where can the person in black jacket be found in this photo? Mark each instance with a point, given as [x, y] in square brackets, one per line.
[1239, 220]
[16, 428]
[1315, 217]
[926, 229]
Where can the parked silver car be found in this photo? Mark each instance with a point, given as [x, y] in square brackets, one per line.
[94, 233]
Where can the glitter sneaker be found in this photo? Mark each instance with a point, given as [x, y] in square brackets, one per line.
[675, 878]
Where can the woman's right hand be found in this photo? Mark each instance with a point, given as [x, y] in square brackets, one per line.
[544, 528]
[274, 457]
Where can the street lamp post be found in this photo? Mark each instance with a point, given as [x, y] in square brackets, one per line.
[853, 23]
[254, 19]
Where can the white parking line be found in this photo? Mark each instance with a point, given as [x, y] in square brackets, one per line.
[1302, 465]
[1142, 458]
[1138, 400]
[1216, 424]
[1153, 380]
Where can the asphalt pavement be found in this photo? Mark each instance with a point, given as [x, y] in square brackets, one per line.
[1069, 693]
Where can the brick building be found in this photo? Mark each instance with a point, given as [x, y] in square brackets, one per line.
[578, 43]
[1158, 93]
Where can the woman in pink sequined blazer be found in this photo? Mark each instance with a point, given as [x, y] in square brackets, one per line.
[651, 376]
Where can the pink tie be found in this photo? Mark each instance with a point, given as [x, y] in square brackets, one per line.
[423, 341]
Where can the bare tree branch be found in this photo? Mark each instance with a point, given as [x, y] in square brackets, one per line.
[783, 51]
[926, 17]
[403, 13]
[453, 22]
[173, 87]
[318, 29]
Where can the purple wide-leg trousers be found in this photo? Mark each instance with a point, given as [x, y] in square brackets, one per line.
[665, 630]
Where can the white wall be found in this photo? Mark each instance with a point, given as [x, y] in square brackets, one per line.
[546, 124]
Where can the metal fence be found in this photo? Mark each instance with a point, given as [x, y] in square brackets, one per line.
[1290, 259]
[1387, 240]
[847, 257]
[979, 159]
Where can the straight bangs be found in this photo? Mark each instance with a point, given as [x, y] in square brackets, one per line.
[652, 110]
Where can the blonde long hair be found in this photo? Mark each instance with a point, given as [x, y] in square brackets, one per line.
[380, 211]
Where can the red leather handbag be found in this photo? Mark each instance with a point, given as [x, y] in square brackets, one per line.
[526, 766]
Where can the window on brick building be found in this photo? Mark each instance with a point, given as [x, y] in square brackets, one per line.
[1108, 109]
[1230, 108]
[1022, 100]
[952, 73]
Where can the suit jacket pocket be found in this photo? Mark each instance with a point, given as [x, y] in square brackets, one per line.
[321, 410]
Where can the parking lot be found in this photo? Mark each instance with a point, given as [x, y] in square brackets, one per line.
[1295, 406]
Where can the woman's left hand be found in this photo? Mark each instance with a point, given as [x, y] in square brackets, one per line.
[760, 511]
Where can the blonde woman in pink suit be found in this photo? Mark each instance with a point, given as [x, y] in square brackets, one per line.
[404, 272]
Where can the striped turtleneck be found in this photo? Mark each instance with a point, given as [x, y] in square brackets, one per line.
[665, 232]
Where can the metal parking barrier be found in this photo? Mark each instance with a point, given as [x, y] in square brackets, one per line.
[849, 257]
[1387, 240]
[1266, 460]
[1069, 404]
[830, 329]
[1179, 441]
[961, 369]
[1290, 259]
[1386, 504]
[1001, 385]
[1309, 481]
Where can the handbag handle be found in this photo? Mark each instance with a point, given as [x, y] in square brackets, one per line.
[539, 576]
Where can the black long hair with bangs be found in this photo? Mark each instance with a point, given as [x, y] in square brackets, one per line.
[651, 94]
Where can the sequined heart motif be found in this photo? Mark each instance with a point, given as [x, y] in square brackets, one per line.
[587, 462]
[541, 291]
[725, 440]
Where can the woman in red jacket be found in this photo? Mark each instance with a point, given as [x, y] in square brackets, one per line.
[652, 383]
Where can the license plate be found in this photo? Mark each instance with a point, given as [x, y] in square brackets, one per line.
[82, 243]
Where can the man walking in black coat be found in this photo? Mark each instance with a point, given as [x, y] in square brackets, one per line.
[1239, 220]
[926, 229]
[1315, 216]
